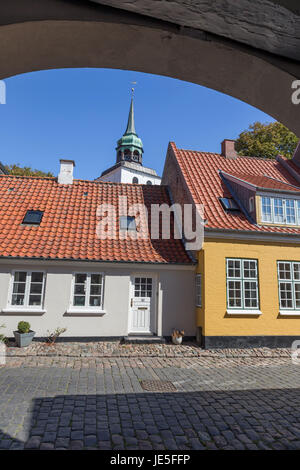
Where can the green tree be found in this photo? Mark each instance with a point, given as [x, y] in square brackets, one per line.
[266, 140]
[17, 170]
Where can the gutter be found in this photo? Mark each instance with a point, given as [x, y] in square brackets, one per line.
[85, 260]
[251, 234]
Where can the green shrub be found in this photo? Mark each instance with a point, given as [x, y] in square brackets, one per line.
[23, 327]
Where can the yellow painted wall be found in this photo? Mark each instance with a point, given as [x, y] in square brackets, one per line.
[212, 316]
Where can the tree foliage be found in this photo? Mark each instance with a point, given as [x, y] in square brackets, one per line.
[266, 140]
[17, 170]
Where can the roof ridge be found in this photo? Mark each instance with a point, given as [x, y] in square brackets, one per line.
[29, 177]
[54, 178]
[220, 155]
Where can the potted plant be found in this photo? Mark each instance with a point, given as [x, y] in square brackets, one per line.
[24, 335]
[177, 336]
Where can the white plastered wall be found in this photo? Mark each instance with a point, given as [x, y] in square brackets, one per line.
[174, 300]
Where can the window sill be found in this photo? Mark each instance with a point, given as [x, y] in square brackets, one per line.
[85, 312]
[290, 312]
[243, 312]
[20, 310]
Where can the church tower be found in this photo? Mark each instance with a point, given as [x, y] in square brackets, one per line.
[129, 159]
[130, 146]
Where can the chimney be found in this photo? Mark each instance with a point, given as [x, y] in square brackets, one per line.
[66, 171]
[227, 149]
[296, 156]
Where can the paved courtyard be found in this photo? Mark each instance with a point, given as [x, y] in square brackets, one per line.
[218, 403]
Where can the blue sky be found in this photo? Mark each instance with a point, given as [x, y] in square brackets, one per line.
[81, 113]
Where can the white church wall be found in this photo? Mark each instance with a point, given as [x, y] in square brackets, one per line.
[126, 175]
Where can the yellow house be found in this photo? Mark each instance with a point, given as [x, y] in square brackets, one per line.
[248, 270]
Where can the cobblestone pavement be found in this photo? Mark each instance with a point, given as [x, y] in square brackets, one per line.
[119, 349]
[220, 403]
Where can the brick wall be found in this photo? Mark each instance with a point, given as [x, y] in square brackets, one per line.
[173, 178]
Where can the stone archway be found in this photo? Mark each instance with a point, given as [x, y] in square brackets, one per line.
[67, 33]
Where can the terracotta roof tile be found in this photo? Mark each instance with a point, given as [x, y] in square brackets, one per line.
[201, 173]
[265, 182]
[68, 226]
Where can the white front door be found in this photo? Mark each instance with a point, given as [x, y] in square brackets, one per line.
[142, 305]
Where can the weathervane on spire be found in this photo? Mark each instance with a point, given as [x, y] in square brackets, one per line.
[133, 89]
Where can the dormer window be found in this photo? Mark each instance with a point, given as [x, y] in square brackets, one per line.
[33, 217]
[280, 210]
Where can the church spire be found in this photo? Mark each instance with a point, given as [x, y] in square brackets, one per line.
[130, 147]
[130, 124]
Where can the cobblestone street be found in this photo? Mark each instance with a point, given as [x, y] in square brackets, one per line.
[219, 403]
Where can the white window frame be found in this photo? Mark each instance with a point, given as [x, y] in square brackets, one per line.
[198, 289]
[86, 308]
[284, 199]
[271, 207]
[242, 310]
[25, 308]
[288, 310]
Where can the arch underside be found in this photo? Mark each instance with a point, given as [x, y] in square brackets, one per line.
[48, 44]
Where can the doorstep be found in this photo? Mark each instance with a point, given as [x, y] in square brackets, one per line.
[135, 338]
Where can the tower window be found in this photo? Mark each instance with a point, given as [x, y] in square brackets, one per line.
[135, 180]
[127, 154]
[149, 182]
[33, 217]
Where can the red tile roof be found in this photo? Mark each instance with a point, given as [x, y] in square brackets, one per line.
[68, 226]
[264, 182]
[201, 173]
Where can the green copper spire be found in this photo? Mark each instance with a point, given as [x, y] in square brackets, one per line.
[130, 146]
[130, 124]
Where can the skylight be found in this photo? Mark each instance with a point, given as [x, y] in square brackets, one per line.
[127, 223]
[229, 204]
[33, 217]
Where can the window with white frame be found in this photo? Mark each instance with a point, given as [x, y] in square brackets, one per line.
[27, 289]
[289, 284]
[198, 290]
[242, 284]
[280, 210]
[87, 290]
[266, 209]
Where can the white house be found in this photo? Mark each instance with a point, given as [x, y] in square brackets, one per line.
[56, 271]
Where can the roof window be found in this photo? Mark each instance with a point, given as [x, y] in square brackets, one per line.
[229, 204]
[127, 223]
[33, 217]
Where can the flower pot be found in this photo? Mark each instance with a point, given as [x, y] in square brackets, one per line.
[177, 339]
[23, 339]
